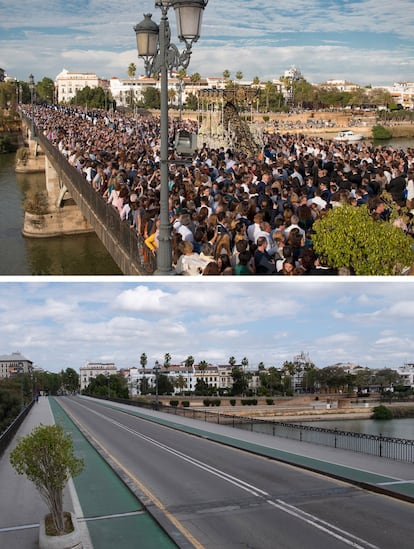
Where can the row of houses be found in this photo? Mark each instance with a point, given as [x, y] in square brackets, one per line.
[183, 378]
[218, 378]
[129, 91]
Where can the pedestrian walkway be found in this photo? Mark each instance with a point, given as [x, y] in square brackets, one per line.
[108, 513]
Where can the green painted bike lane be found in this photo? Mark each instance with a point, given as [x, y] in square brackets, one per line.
[114, 516]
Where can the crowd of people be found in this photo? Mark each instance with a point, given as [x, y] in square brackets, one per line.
[231, 214]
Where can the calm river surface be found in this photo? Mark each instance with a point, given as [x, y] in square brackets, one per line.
[66, 255]
[400, 428]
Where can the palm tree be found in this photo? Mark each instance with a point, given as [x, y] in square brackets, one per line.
[171, 95]
[143, 360]
[268, 89]
[202, 365]
[132, 69]
[167, 360]
[226, 74]
[180, 383]
[239, 75]
[245, 363]
[189, 361]
[232, 361]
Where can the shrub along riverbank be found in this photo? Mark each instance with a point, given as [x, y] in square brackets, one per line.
[394, 412]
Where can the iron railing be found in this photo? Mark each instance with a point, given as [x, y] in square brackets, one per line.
[83, 193]
[7, 435]
[377, 445]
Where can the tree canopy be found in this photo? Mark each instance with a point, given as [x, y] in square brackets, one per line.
[349, 237]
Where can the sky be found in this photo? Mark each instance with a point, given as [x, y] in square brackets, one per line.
[61, 324]
[362, 41]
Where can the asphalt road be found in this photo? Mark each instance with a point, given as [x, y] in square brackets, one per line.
[223, 498]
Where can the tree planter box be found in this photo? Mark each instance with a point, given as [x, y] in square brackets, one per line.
[67, 541]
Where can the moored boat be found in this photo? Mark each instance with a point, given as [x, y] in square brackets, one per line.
[348, 135]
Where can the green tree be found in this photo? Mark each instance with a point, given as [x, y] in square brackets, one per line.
[202, 388]
[93, 98]
[240, 381]
[191, 102]
[45, 90]
[144, 388]
[10, 407]
[226, 74]
[47, 458]
[151, 97]
[167, 360]
[239, 76]
[232, 361]
[113, 386]
[189, 361]
[180, 383]
[165, 385]
[349, 237]
[70, 380]
[195, 77]
[143, 360]
[202, 365]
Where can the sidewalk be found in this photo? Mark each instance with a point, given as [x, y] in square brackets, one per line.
[21, 506]
[108, 513]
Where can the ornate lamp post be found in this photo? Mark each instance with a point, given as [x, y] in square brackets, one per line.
[160, 56]
[157, 369]
[31, 87]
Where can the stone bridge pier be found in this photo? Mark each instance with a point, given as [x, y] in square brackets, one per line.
[54, 213]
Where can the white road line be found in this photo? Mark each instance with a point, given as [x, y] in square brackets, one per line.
[328, 528]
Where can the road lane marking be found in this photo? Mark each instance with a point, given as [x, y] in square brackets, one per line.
[156, 502]
[326, 527]
[323, 525]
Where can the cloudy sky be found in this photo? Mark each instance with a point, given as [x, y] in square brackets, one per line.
[65, 324]
[364, 41]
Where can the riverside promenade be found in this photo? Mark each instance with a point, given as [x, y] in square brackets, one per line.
[112, 517]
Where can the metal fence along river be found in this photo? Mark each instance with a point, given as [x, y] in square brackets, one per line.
[376, 445]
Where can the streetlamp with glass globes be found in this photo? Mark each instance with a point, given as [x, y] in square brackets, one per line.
[160, 56]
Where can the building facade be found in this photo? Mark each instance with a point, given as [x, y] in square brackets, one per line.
[183, 379]
[92, 369]
[67, 84]
[407, 374]
[14, 364]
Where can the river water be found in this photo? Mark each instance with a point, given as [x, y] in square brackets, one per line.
[66, 255]
[399, 428]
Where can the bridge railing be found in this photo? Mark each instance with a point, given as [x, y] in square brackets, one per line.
[127, 238]
[398, 449]
[7, 436]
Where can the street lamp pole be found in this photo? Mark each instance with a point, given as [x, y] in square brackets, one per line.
[161, 56]
[32, 87]
[157, 370]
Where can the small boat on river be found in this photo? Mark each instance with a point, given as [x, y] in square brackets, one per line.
[349, 136]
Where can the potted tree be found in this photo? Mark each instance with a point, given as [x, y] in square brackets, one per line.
[46, 456]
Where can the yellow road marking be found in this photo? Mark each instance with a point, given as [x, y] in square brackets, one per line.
[186, 533]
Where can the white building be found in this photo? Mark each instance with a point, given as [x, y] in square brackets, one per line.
[402, 93]
[67, 84]
[13, 364]
[184, 379]
[407, 374]
[92, 369]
